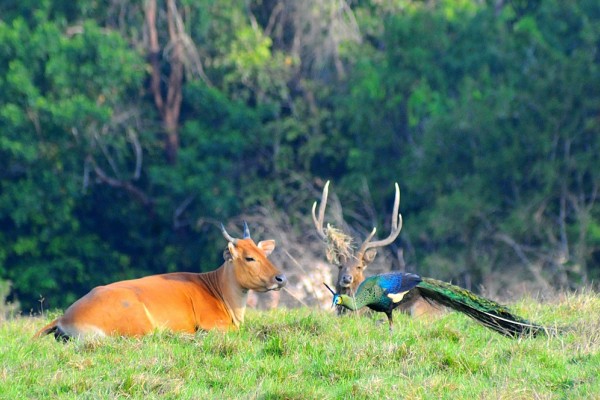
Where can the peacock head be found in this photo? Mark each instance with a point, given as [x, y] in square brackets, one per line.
[337, 298]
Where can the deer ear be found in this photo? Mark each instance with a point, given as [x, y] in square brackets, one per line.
[233, 252]
[267, 246]
[369, 256]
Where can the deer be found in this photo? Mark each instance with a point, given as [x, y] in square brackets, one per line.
[179, 302]
[352, 265]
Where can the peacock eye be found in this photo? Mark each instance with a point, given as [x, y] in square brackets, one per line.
[250, 259]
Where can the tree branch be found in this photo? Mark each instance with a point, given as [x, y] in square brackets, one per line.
[128, 187]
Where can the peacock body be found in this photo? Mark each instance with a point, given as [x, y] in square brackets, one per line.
[384, 292]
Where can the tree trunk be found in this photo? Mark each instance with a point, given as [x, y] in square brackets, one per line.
[169, 107]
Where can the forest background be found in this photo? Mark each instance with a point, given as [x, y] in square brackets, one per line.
[130, 128]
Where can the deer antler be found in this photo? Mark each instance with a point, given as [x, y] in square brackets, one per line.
[319, 222]
[396, 228]
[338, 244]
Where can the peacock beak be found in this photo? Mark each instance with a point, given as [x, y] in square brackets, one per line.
[335, 295]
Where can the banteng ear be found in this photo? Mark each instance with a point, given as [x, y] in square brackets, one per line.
[227, 255]
[369, 256]
[267, 246]
[232, 250]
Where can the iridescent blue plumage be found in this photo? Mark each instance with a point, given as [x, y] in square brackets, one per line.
[394, 282]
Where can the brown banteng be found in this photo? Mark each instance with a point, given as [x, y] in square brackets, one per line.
[180, 301]
[352, 265]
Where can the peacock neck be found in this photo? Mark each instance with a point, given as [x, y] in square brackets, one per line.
[350, 302]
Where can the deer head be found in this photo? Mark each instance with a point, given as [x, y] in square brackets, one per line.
[351, 264]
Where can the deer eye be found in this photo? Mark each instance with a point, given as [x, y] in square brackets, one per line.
[250, 259]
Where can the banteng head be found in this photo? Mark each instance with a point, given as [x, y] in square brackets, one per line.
[251, 267]
[352, 264]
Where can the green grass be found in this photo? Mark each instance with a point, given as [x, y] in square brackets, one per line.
[310, 354]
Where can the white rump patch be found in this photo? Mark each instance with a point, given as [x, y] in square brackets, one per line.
[82, 331]
[396, 297]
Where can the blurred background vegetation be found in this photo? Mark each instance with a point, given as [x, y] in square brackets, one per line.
[128, 128]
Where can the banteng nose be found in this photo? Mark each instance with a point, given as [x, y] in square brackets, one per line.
[281, 280]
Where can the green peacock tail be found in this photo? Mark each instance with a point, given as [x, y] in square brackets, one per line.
[489, 313]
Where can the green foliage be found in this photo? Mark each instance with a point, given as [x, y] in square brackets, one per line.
[306, 353]
[51, 122]
[485, 113]
[483, 129]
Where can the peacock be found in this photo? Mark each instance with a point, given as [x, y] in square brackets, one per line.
[384, 292]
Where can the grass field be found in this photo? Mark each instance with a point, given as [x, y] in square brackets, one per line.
[311, 354]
